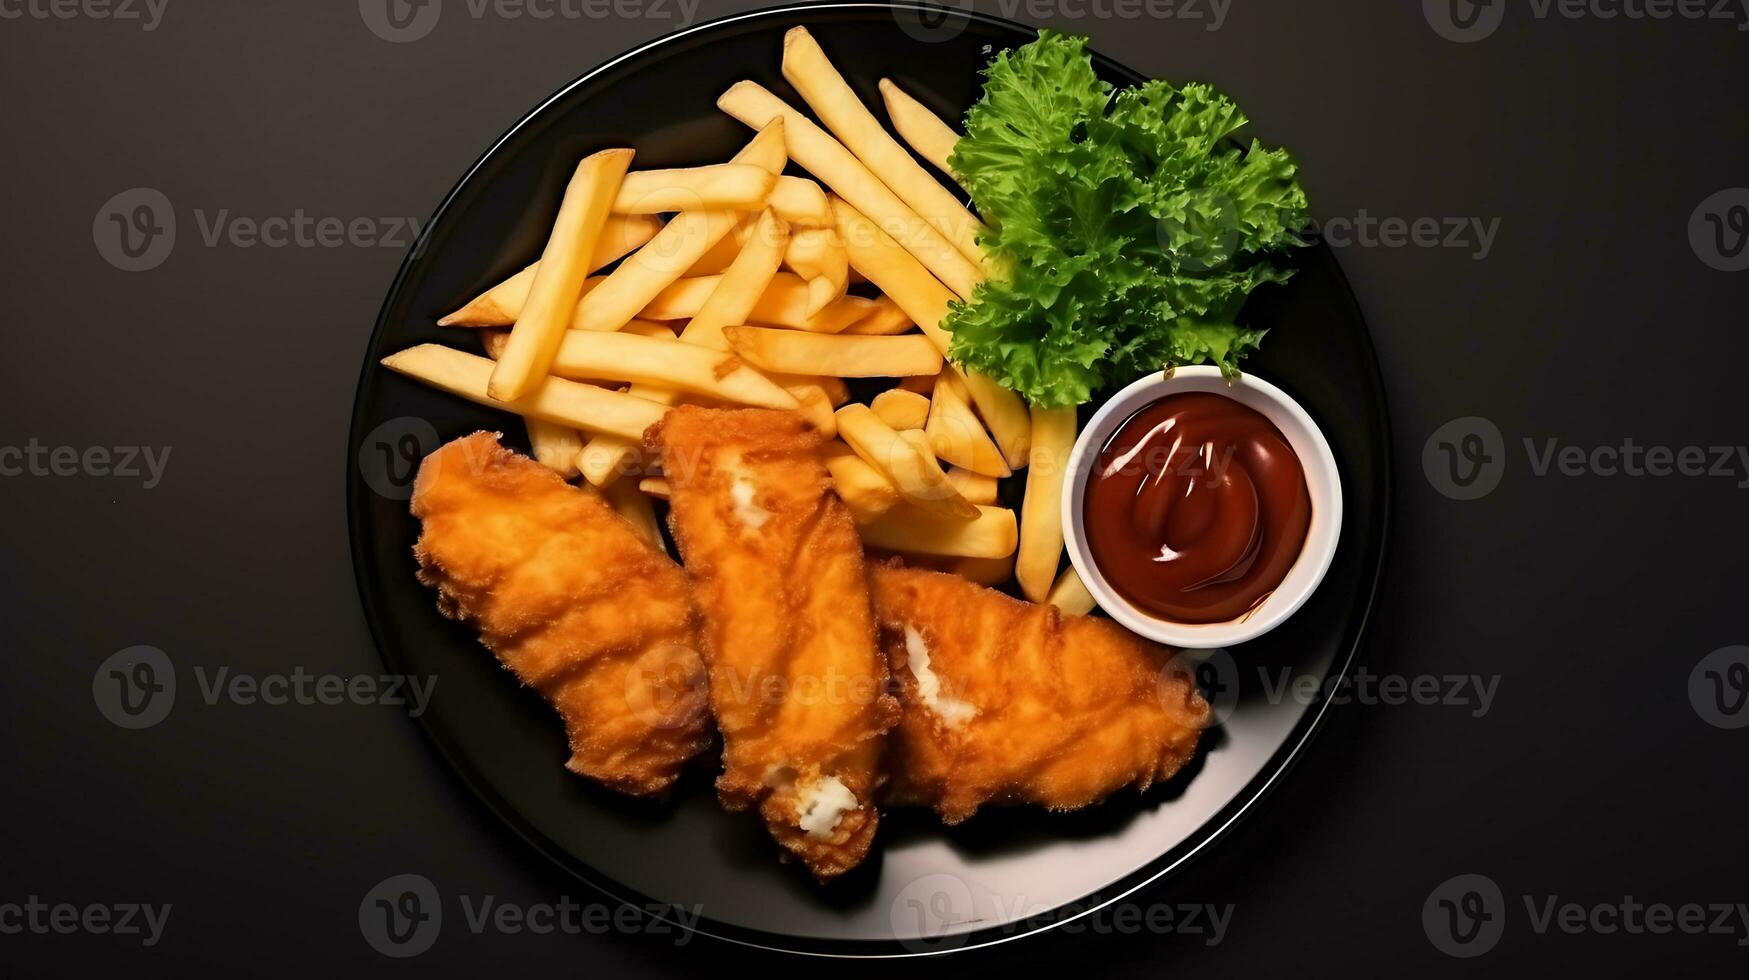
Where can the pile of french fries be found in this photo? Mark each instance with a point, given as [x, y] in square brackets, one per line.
[732, 287]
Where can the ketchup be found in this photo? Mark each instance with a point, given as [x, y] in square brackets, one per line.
[1196, 508]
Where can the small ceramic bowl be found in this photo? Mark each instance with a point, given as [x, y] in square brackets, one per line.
[1322, 481]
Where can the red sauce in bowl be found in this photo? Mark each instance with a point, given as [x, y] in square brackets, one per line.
[1196, 508]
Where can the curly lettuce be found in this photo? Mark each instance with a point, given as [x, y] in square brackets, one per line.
[1130, 225]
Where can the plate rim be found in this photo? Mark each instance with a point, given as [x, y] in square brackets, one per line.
[1281, 761]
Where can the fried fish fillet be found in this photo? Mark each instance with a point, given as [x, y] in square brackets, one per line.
[798, 685]
[1011, 702]
[568, 596]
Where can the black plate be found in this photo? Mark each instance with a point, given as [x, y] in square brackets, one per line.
[925, 888]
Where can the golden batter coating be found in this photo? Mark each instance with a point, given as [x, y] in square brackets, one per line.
[568, 596]
[798, 685]
[1011, 702]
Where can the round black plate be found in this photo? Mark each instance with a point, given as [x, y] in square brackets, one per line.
[925, 888]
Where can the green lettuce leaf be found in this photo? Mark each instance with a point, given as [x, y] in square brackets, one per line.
[1132, 226]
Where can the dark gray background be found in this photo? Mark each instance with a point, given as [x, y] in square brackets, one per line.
[1591, 597]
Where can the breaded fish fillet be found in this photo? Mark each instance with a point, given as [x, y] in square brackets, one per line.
[571, 600]
[798, 686]
[1011, 702]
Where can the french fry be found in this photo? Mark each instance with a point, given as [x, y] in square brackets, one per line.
[1041, 519]
[494, 340]
[511, 296]
[823, 290]
[984, 571]
[558, 283]
[837, 392]
[648, 328]
[840, 170]
[838, 314]
[672, 364]
[676, 248]
[956, 435]
[768, 151]
[901, 409]
[1070, 594]
[801, 202]
[682, 298]
[975, 487]
[816, 255]
[649, 270]
[916, 438]
[554, 446]
[630, 502]
[500, 305]
[886, 320]
[722, 187]
[923, 130]
[807, 68]
[912, 470]
[1003, 412]
[921, 384]
[865, 489]
[909, 529]
[731, 298]
[551, 445]
[655, 486]
[898, 274]
[623, 234]
[606, 458]
[818, 396]
[809, 253]
[783, 304]
[798, 352]
[569, 403]
[715, 261]
[816, 407]
[737, 293]
[923, 298]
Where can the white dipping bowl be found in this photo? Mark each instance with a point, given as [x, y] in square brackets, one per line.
[1322, 481]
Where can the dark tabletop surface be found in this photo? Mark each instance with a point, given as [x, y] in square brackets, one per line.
[172, 444]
